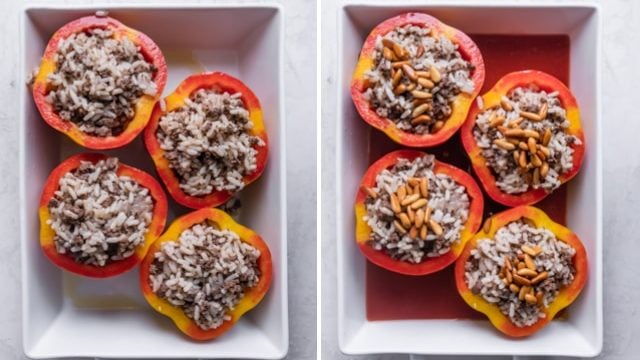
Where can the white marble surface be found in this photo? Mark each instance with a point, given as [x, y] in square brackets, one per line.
[621, 27]
[300, 105]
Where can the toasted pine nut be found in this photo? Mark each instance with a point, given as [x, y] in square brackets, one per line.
[543, 111]
[411, 214]
[400, 89]
[395, 204]
[418, 102]
[437, 229]
[421, 119]
[399, 227]
[388, 43]
[516, 157]
[486, 227]
[402, 192]
[413, 181]
[531, 142]
[423, 232]
[438, 125]
[426, 83]
[419, 203]
[529, 250]
[427, 215]
[388, 54]
[419, 94]
[521, 265]
[514, 132]
[419, 218]
[507, 263]
[543, 275]
[527, 272]
[419, 110]
[515, 123]
[420, 51]
[503, 144]
[546, 137]
[514, 288]
[544, 169]
[523, 146]
[539, 297]
[514, 141]
[531, 133]
[545, 150]
[408, 70]
[535, 160]
[400, 51]
[435, 74]
[530, 116]
[397, 76]
[412, 86]
[536, 176]
[506, 104]
[541, 155]
[523, 159]
[523, 291]
[530, 299]
[399, 64]
[372, 193]
[521, 280]
[424, 187]
[496, 120]
[509, 277]
[409, 199]
[413, 232]
[404, 220]
[529, 262]
[423, 74]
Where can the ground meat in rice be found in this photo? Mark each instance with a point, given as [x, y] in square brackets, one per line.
[403, 232]
[537, 249]
[99, 217]
[520, 161]
[416, 96]
[208, 142]
[205, 273]
[98, 80]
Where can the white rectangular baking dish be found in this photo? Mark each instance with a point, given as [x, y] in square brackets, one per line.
[66, 315]
[581, 335]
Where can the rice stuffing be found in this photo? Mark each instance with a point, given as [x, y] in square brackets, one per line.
[521, 270]
[525, 140]
[416, 76]
[98, 80]
[415, 213]
[205, 273]
[208, 142]
[99, 217]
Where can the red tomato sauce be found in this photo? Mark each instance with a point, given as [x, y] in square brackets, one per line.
[391, 296]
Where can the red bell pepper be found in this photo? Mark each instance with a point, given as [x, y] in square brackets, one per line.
[143, 106]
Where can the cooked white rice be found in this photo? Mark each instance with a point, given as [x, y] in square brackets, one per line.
[208, 144]
[205, 273]
[511, 177]
[99, 217]
[447, 200]
[484, 271]
[98, 80]
[423, 52]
